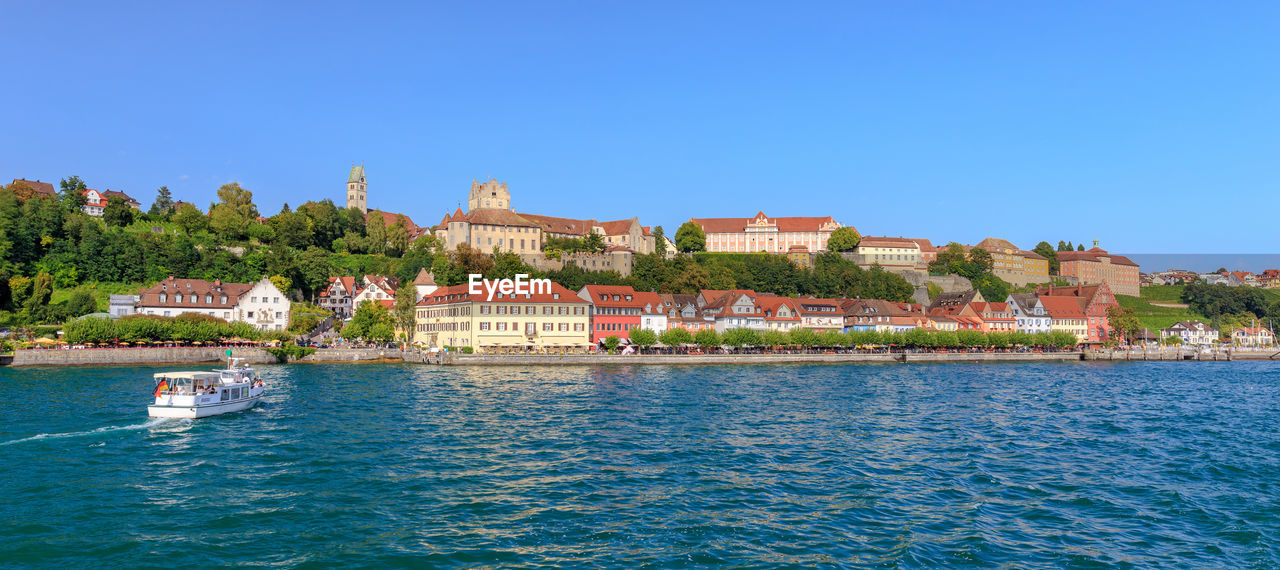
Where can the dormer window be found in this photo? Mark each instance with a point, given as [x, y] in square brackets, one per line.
[555, 295]
[208, 299]
[222, 300]
[164, 298]
[177, 298]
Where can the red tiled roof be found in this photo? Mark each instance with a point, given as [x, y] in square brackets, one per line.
[389, 218]
[770, 305]
[1062, 307]
[37, 186]
[885, 241]
[554, 225]
[787, 224]
[617, 227]
[595, 292]
[348, 284]
[651, 299]
[1093, 256]
[193, 290]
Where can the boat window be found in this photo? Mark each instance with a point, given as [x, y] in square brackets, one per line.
[226, 394]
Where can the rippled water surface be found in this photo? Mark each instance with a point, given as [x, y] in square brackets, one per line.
[1151, 464]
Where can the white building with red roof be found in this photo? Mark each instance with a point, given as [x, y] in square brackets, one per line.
[260, 304]
[95, 201]
[764, 234]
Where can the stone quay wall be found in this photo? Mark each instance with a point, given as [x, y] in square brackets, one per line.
[700, 359]
[159, 355]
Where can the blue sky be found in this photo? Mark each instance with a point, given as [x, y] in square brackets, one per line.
[1148, 125]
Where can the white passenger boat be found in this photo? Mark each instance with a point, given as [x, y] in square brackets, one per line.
[203, 394]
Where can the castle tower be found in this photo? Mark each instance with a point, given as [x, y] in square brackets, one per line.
[491, 194]
[357, 196]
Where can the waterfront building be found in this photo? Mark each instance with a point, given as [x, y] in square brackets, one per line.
[943, 324]
[996, 317]
[1067, 315]
[820, 315]
[1094, 301]
[1242, 279]
[615, 310]
[1017, 266]
[376, 288]
[1252, 336]
[882, 316]
[556, 319]
[260, 304]
[1195, 333]
[764, 234]
[780, 313]
[956, 299]
[684, 312]
[732, 309]
[1270, 279]
[653, 315]
[1097, 266]
[95, 201]
[122, 305]
[338, 295]
[1028, 313]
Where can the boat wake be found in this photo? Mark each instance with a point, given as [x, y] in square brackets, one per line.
[151, 423]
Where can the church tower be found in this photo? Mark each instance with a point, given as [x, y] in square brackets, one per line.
[357, 189]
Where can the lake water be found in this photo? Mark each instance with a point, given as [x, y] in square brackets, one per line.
[1150, 464]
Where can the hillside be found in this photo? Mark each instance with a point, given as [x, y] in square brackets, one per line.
[1153, 317]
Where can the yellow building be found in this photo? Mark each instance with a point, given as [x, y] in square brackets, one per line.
[551, 320]
[1018, 267]
[1066, 315]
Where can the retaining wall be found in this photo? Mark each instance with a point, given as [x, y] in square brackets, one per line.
[684, 359]
[161, 355]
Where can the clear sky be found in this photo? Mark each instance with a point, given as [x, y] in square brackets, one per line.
[1151, 126]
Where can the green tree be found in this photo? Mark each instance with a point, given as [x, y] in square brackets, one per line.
[190, 219]
[843, 239]
[397, 238]
[660, 241]
[611, 343]
[690, 238]
[1080, 247]
[163, 204]
[382, 333]
[315, 269]
[72, 190]
[593, 242]
[1045, 250]
[41, 291]
[117, 213]
[1124, 323]
[981, 260]
[404, 308]
[367, 316]
[739, 337]
[707, 338]
[773, 337]
[675, 337]
[804, 337]
[377, 229]
[230, 218]
[643, 338]
[81, 303]
[284, 284]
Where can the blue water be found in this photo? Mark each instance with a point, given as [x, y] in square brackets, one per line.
[1146, 464]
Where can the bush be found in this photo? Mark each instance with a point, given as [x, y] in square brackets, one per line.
[287, 351]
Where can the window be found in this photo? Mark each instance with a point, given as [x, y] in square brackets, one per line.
[564, 327]
[484, 309]
[164, 298]
[226, 314]
[547, 309]
[177, 298]
[222, 300]
[502, 325]
[577, 327]
[530, 328]
[250, 314]
[275, 299]
[484, 325]
[251, 299]
[502, 309]
[278, 314]
[548, 326]
[208, 299]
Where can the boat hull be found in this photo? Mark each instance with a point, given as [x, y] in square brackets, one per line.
[202, 411]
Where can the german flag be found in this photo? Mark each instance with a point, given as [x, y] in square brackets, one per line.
[162, 387]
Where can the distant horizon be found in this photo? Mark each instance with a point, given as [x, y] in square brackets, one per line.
[1204, 262]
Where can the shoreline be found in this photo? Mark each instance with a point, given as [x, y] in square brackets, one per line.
[207, 355]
